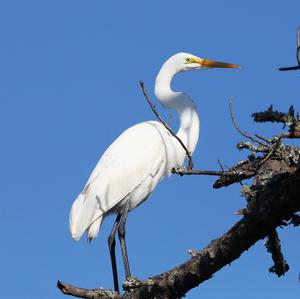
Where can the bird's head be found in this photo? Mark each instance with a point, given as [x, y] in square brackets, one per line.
[185, 62]
[178, 63]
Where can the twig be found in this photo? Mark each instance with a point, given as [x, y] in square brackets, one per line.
[183, 171]
[273, 246]
[251, 147]
[237, 127]
[99, 293]
[291, 134]
[190, 164]
[290, 68]
[220, 164]
[273, 147]
[293, 68]
[243, 170]
[262, 138]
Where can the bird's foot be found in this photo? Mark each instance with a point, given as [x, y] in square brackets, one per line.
[104, 293]
[178, 169]
[131, 283]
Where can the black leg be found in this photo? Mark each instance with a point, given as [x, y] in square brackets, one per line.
[121, 233]
[111, 246]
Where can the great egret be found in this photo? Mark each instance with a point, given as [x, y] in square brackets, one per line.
[137, 160]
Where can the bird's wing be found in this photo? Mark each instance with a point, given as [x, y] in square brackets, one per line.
[138, 153]
[136, 156]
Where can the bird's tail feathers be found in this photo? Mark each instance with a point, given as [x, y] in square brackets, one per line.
[93, 229]
[85, 215]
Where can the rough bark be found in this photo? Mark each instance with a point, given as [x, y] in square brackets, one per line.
[273, 199]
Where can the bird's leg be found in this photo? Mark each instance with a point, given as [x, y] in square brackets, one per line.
[111, 246]
[121, 234]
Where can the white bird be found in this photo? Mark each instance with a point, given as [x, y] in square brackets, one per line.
[138, 160]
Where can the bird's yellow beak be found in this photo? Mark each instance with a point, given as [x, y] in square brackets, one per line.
[211, 63]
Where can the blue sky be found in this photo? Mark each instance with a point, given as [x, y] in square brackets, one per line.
[69, 73]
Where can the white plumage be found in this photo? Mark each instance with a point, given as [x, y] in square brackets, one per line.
[139, 158]
[129, 170]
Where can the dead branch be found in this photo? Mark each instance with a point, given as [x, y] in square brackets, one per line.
[243, 170]
[273, 116]
[290, 68]
[237, 127]
[98, 293]
[190, 163]
[288, 119]
[273, 246]
[297, 67]
[183, 171]
[262, 138]
[272, 199]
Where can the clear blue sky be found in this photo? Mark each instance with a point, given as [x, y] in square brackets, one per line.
[69, 73]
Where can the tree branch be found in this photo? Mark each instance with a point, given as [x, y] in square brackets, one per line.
[273, 246]
[237, 127]
[290, 68]
[272, 199]
[288, 119]
[98, 293]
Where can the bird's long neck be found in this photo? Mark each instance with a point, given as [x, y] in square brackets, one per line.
[189, 121]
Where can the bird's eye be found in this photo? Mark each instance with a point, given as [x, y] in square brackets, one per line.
[187, 60]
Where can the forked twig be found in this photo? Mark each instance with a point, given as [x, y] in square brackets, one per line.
[272, 148]
[262, 138]
[237, 127]
[190, 164]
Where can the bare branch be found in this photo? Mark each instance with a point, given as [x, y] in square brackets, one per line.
[262, 138]
[273, 246]
[183, 171]
[274, 193]
[290, 68]
[274, 116]
[275, 143]
[190, 164]
[221, 166]
[237, 127]
[289, 119]
[243, 170]
[251, 147]
[272, 199]
[98, 293]
[297, 67]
